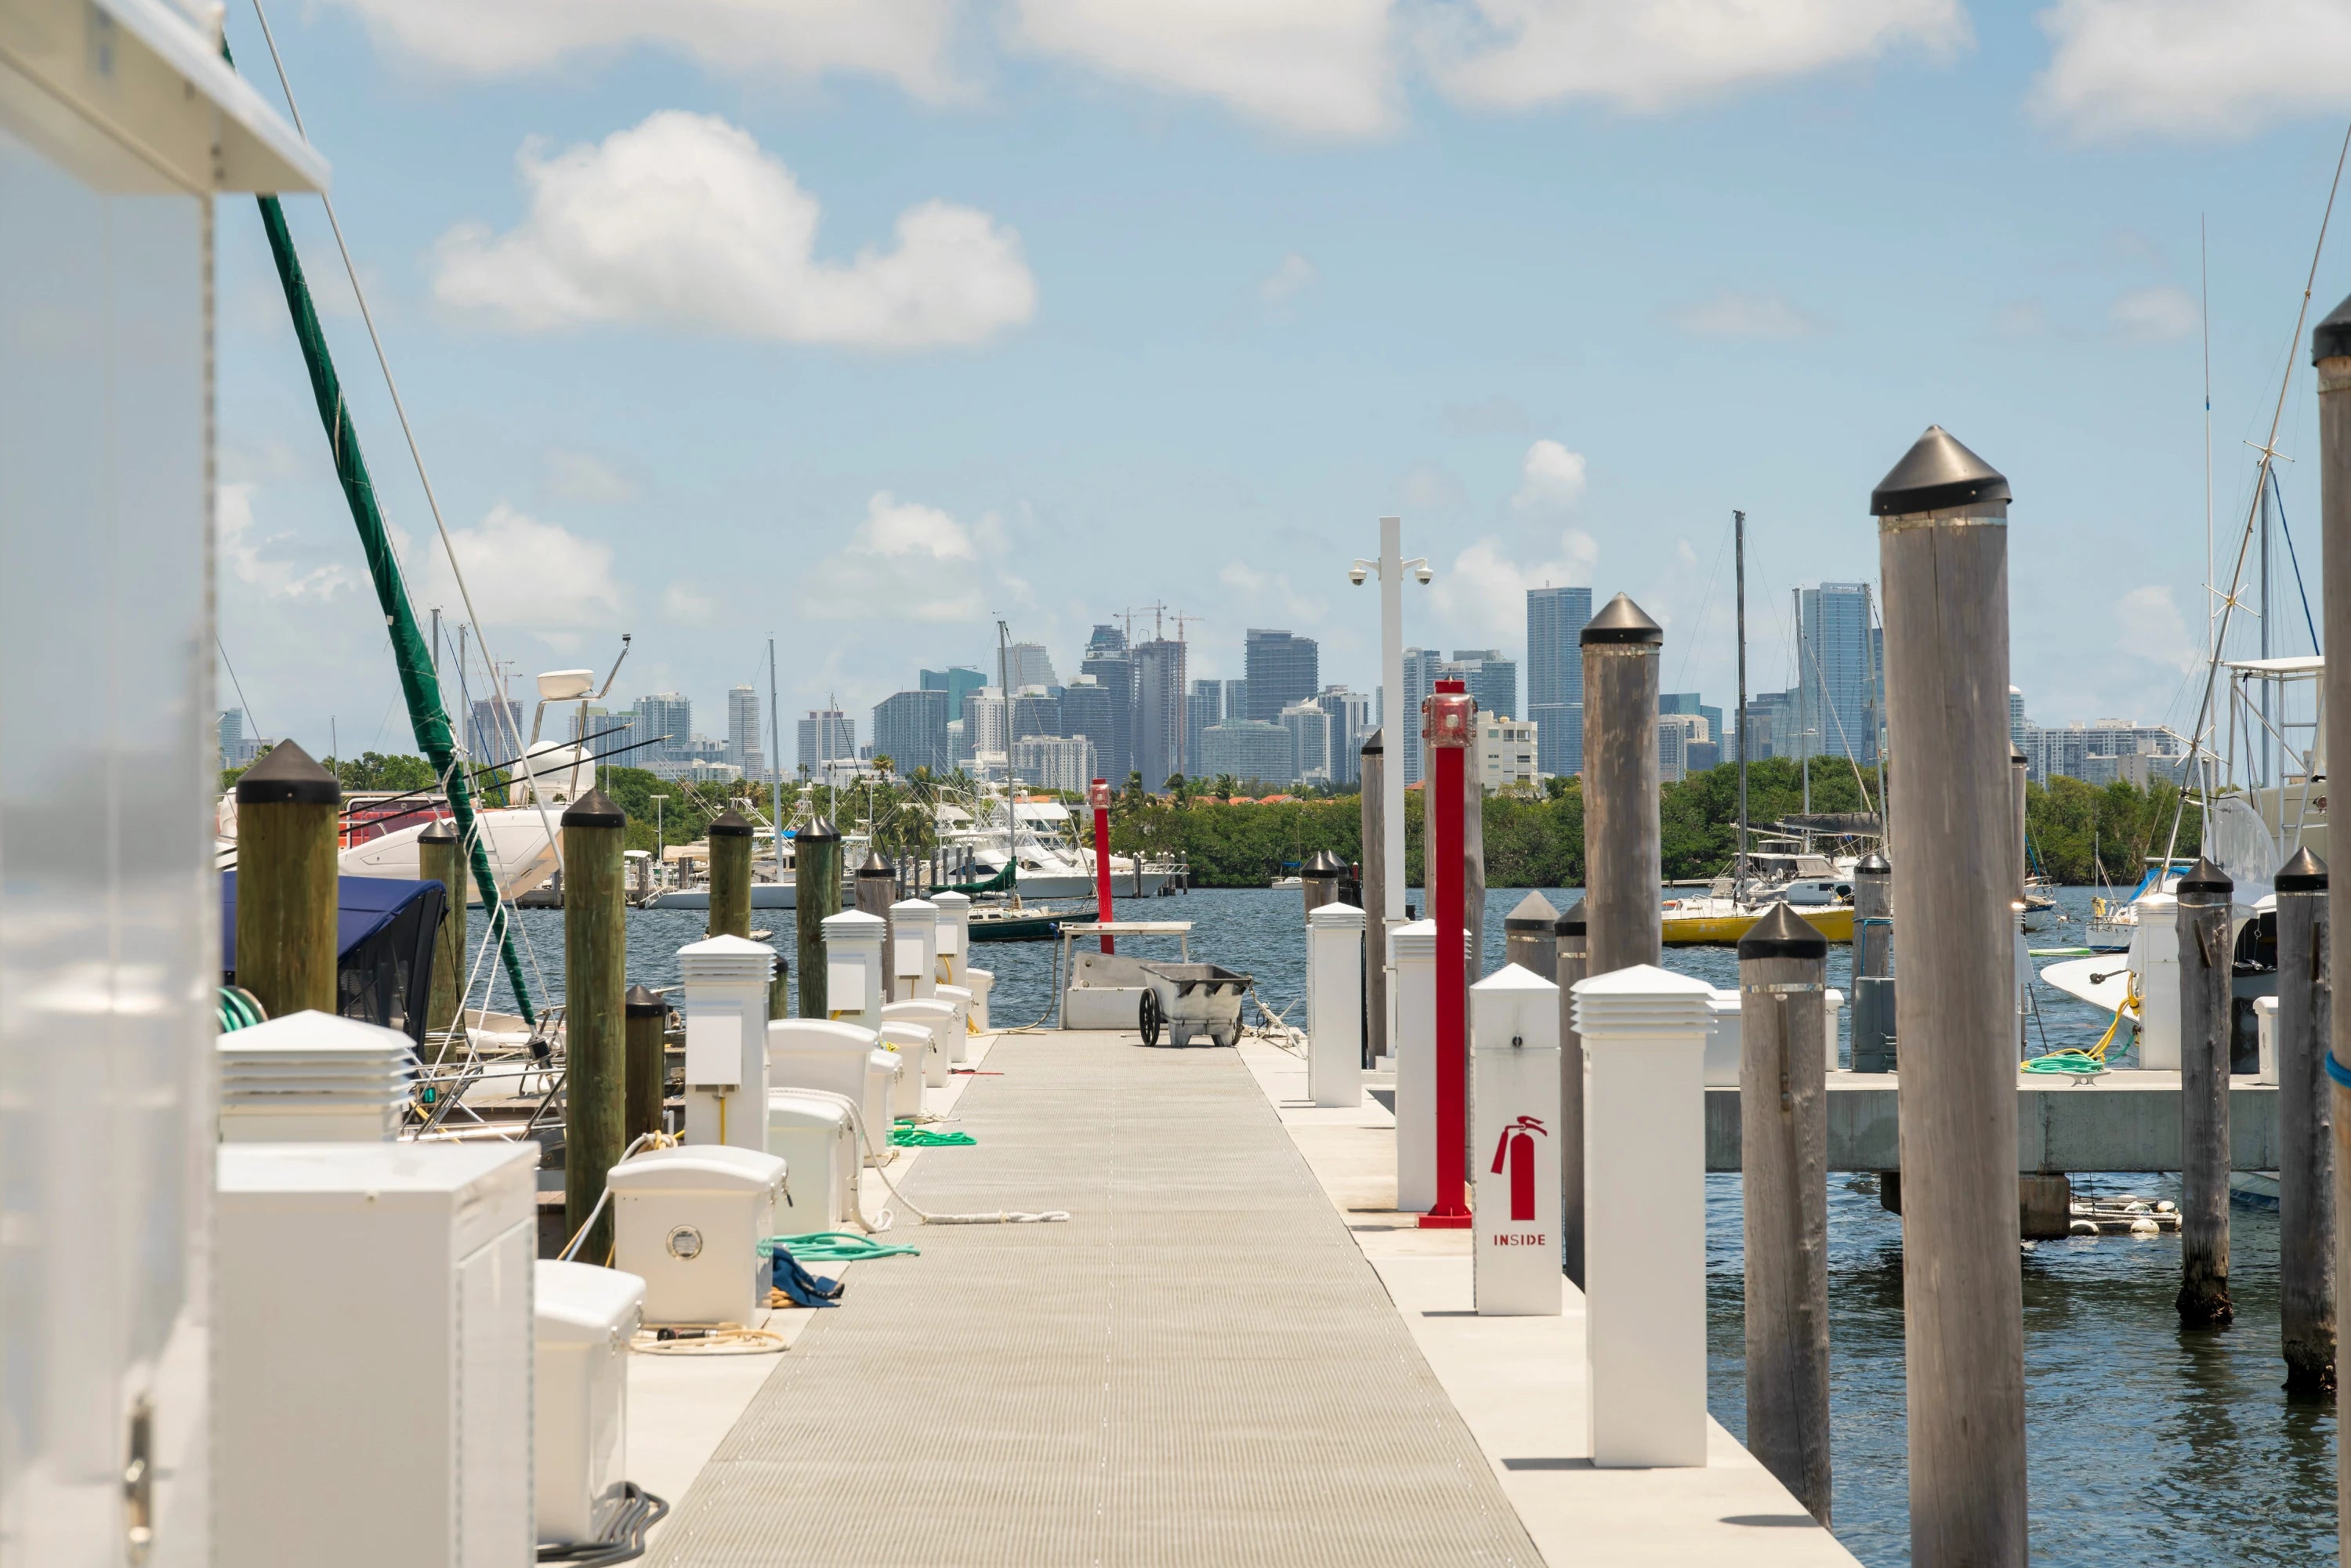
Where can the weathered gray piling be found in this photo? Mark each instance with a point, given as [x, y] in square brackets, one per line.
[1571, 968]
[1873, 964]
[1784, 1161]
[2018, 764]
[1623, 857]
[2204, 983]
[730, 875]
[1318, 880]
[437, 860]
[595, 960]
[2330, 350]
[816, 894]
[875, 895]
[647, 1024]
[287, 810]
[1375, 898]
[2023, 1026]
[1531, 936]
[2306, 1127]
[1943, 557]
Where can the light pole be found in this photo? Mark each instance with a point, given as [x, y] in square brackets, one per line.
[1390, 569]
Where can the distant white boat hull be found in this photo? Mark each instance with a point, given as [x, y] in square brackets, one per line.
[764, 895]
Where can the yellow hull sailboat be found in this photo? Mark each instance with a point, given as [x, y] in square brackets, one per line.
[1717, 922]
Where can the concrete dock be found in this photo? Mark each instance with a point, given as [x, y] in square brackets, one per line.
[1236, 1352]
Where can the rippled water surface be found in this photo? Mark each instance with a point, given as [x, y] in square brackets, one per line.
[2147, 1445]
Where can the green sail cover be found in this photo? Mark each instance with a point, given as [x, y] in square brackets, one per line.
[418, 682]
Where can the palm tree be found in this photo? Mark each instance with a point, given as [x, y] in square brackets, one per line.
[1226, 787]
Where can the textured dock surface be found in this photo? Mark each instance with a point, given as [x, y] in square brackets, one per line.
[1201, 1368]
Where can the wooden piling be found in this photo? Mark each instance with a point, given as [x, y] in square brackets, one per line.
[1624, 865]
[816, 894]
[287, 808]
[1375, 898]
[2330, 350]
[437, 860]
[1784, 1161]
[2204, 983]
[595, 966]
[875, 895]
[1873, 963]
[2017, 763]
[1531, 936]
[730, 875]
[1318, 880]
[2306, 1128]
[1943, 557]
[779, 989]
[647, 1070]
[1571, 968]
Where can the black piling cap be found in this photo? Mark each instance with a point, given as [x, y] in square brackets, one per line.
[1781, 934]
[1373, 745]
[1874, 864]
[2303, 874]
[287, 777]
[730, 824]
[1936, 473]
[1621, 621]
[2016, 758]
[2204, 877]
[876, 868]
[594, 810]
[1535, 913]
[821, 828]
[641, 1003]
[439, 832]
[1571, 923]
[2331, 339]
[1324, 863]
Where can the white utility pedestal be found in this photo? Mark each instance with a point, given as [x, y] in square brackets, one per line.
[2154, 976]
[693, 1225]
[911, 1043]
[814, 1053]
[955, 938]
[812, 1134]
[981, 982]
[852, 967]
[1334, 970]
[1643, 1033]
[915, 961]
[579, 1395]
[1514, 1058]
[725, 999]
[1412, 953]
[937, 1018]
[958, 1041]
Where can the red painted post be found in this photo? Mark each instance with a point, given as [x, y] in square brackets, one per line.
[1100, 796]
[1444, 737]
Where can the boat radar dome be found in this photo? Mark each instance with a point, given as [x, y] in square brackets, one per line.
[2206, 878]
[594, 810]
[2303, 874]
[1621, 621]
[1781, 934]
[730, 824]
[288, 776]
[565, 686]
[1937, 472]
[2331, 339]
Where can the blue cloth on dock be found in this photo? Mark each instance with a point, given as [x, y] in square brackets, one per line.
[802, 1288]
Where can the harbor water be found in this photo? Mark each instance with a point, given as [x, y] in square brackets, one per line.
[2128, 1415]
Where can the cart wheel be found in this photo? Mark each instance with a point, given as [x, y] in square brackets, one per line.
[1149, 1018]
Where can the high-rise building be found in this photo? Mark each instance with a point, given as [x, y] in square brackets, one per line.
[492, 737]
[1035, 711]
[1490, 677]
[2102, 752]
[1283, 668]
[910, 728]
[1704, 750]
[827, 735]
[1065, 763]
[2017, 722]
[1676, 734]
[1025, 664]
[1112, 664]
[1505, 757]
[743, 729]
[1249, 749]
[954, 680]
[666, 719]
[1420, 667]
[983, 723]
[1555, 621]
[1204, 705]
[236, 749]
[1310, 742]
[1838, 690]
[1235, 699]
[1350, 721]
[1159, 712]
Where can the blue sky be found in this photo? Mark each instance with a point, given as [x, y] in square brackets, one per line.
[858, 325]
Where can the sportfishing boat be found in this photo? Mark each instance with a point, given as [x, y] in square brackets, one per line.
[1038, 841]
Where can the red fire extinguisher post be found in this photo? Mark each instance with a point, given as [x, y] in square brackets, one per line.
[1444, 738]
[1099, 795]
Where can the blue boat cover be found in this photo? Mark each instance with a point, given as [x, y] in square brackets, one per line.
[364, 906]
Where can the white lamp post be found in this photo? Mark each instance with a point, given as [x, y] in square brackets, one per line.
[1390, 569]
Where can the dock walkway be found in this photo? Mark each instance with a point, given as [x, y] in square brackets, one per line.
[1202, 1367]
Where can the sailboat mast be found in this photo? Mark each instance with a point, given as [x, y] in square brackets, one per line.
[1738, 555]
[776, 763]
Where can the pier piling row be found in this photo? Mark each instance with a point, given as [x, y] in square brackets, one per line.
[437, 860]
[287, 807]
[2330, 352]
[595, 966]
[1572, 936]
[816, 893]
[1375, 900]
[2307, 1214]
[730, 875]
[2204, 976]
[1621, 831]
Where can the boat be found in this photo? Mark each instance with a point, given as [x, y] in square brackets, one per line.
[1712, 920]
[1015, 925]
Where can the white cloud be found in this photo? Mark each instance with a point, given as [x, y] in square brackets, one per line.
[584, 477]
[2149, 626]
[1273, 588]
[1735, 313]
[688, 605]
[2158, 314]
[242, 548]
[1319, 67]
[1550, 478]
[1483, 594]
[904, 561]
[904, 41]
[2201, 68]
[1292, 277]
[522, 572]
[684, 222]
[1651, 54]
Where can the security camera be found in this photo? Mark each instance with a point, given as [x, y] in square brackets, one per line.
[1425, 576]
[1356, 575]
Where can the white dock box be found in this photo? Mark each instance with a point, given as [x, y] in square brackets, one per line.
[936, 1017]
[958, 1041]
[693, 1223]
[816, 1053]
[373, 1401]
[911, 1043]
[811, 1135]
[586, 1318]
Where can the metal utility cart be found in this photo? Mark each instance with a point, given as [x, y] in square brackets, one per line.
[1115, 991]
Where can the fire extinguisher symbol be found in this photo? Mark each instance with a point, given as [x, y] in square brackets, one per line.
[1516, 1149]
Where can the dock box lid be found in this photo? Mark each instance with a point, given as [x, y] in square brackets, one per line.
[697, 1168]
[579, 1303]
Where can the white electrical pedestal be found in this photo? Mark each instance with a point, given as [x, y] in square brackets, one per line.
[1643, 1033]
[2154, 964]
[586, 1318]
[981, 982]
[725, 999]
[812, 1053]
[937, 1015]
[954, 938]
[1412, 951]
[910, 1044]
[373, 1402]
[812, 1133]
[957, 1041]
[1335, 983]
[915, 961]
[852, 967]
[1514, 1058]
[694, 1223]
